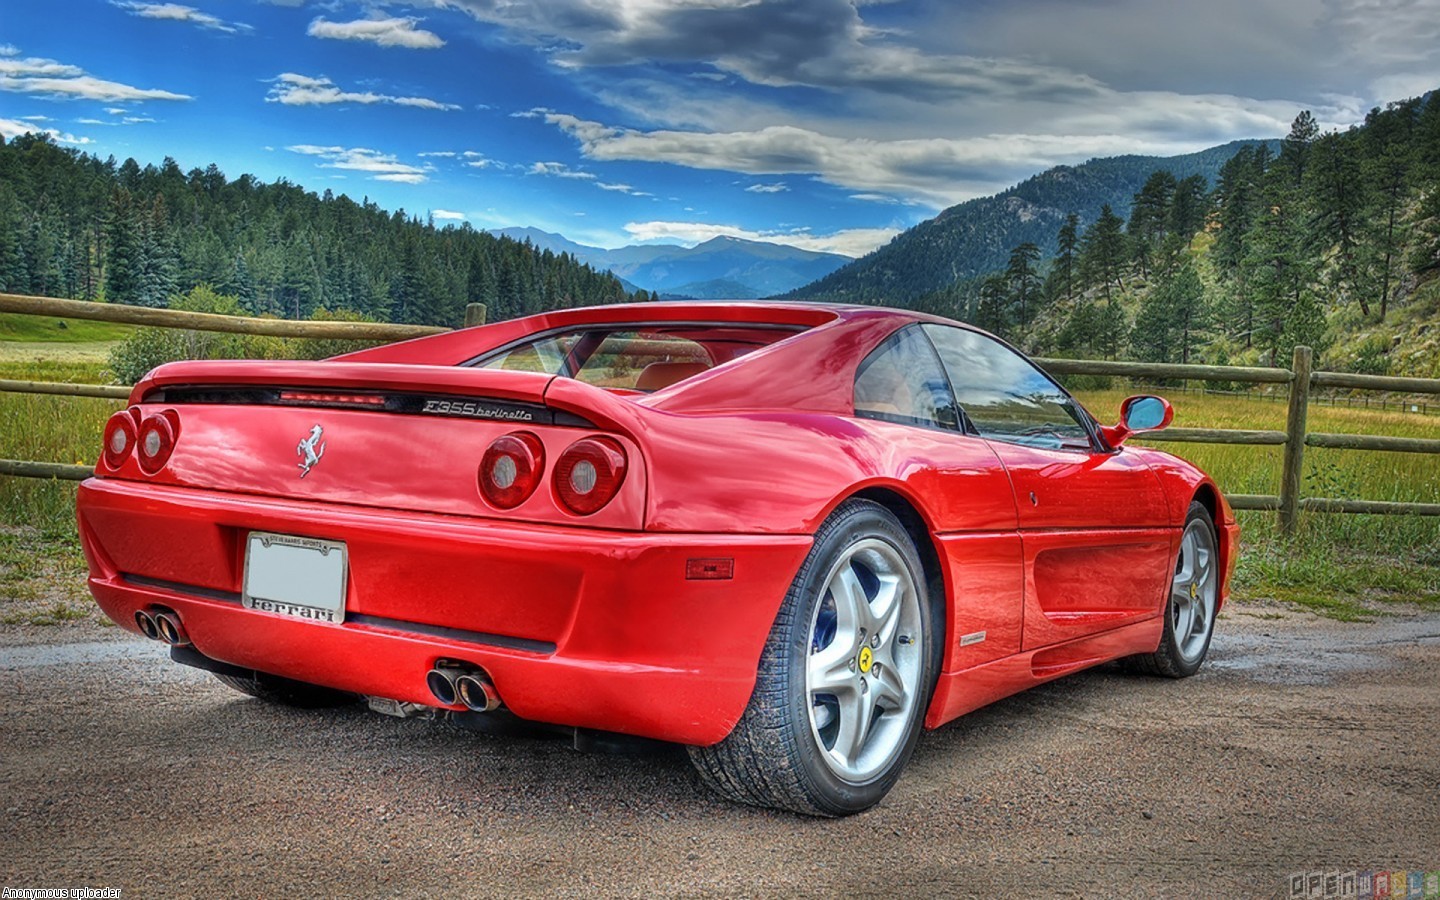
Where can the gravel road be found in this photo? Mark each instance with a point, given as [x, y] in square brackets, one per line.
[1304, 744]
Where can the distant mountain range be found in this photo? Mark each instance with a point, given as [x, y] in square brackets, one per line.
[976, 237]
[721, 268]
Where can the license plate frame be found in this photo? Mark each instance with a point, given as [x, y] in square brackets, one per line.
[297, 577]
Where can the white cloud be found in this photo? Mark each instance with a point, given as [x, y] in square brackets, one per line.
[394, 32]
[622, 188]
[442, 154]
[127, 120]
[12, 128]
[853, 242]
[175, 12]
[961, 99]
[34, 67]
[379, 166]
[447, 214]
[775, 188]
[304, 90]
[85, 87]
[558, 170]
[813, 43]
[62, 81]
[937, 171]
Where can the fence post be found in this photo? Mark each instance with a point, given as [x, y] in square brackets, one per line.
[474, 314]
[1290, 474]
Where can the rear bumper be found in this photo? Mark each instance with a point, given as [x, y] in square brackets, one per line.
[584, 627]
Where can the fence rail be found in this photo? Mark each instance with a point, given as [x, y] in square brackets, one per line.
[1293, 440]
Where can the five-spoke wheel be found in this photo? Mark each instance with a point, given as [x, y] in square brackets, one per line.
[862, 675]
[1192, 604]
[844, 679]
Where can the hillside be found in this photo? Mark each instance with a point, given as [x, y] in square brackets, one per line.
[722, 267]
[975, 237]
[73, 225]
[1332, 242]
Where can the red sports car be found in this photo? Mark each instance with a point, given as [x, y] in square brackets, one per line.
[786, 535]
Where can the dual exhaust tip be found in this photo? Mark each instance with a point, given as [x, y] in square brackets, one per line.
[465, 685]
[160, 624]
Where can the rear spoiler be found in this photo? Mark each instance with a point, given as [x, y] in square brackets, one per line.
[591, 404]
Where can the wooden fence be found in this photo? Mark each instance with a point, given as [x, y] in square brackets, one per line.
[1299, 380]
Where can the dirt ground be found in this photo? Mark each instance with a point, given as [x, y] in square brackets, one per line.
[1303, 745]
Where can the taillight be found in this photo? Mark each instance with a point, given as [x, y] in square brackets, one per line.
[120, 435]
[156, 441]
[589, 473]
[511, 469]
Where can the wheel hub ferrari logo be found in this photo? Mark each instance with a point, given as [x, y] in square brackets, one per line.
[310, 450]
[866, 658]
[1194, 591]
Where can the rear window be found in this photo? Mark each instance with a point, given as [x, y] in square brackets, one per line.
[634, 357]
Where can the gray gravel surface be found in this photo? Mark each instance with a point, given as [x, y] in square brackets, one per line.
[1304, 744]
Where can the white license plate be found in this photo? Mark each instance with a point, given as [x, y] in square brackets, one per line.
[295, 576]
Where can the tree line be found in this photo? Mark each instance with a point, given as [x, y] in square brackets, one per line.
[74, 225]
[1333, 230]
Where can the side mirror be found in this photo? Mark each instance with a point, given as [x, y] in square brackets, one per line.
[1137, 414]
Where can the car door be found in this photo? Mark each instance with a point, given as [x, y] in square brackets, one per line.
[1094, 525]
[903, 388]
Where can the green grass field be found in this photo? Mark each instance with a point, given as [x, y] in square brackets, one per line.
[14, 327]
[1343, 566]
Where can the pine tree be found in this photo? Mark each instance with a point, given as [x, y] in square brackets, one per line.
[1337, 194]
[1280, 267]
[1188, 208]
[125, 263]
[1061, 281]
[1169, 323]
[1391, 153]
[992, 313]
[1024, 281]
[1149, 218]
[1102, 254]
[1295, 149]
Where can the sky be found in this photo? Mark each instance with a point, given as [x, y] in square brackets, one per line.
[824, 124]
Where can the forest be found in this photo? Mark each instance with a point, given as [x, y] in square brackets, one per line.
[1326, 243]
[74, 225]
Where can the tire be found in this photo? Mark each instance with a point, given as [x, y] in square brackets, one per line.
[284, 692]
[1191, 606]
[859, 618]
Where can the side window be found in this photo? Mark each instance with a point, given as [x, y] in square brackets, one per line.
[1005, 396]
[902, 381]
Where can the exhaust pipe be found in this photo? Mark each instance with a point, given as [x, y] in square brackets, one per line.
[147, 624]
[477, 693]
[441, 681]
[167, 624]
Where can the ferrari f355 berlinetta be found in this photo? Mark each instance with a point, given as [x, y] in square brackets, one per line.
[789, 536]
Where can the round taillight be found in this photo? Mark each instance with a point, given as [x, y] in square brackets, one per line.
[156, 440]
[511, 468]
[120, 436]
[589, 473]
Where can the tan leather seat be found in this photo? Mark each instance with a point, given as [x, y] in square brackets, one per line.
[660, 375]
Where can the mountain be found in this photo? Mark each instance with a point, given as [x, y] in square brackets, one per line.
[976, 237]
[720, 267]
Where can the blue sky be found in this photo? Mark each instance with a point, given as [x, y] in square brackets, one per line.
[826, 124]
